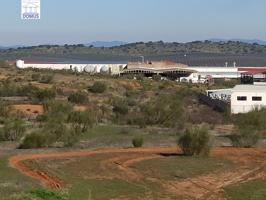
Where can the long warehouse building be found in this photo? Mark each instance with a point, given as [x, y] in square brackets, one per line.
[163, 68]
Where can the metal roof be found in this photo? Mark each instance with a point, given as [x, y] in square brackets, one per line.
[249, 88]
[252, 70]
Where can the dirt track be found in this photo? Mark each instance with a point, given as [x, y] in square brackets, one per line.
[251, 164]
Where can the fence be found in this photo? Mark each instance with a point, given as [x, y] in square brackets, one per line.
[216, 104]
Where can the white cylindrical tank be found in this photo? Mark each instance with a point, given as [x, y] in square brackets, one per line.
[20, 64]
[105, 69]
[89, 69]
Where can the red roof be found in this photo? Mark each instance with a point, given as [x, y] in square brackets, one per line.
[252, 71]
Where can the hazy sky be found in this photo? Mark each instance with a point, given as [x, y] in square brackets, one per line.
[83, 21]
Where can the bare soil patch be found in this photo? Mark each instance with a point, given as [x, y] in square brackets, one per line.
[29, 109]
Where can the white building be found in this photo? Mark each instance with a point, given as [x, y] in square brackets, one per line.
[245, 98]
[217, 72]
[112, 69]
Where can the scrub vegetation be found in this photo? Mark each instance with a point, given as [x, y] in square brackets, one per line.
[63, 111]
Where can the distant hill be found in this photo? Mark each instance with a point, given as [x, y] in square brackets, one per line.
[203, 53]
[106, 43]
[261, 42]
[2, 48]
[11, 47]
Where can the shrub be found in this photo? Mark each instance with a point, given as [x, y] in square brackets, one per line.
[165, 110]
[47, 78]
[57, 111]
[34, 140]
[71, 137]
[195, 141]
[13, 130]
[98, 87]
[36, 76]
[131, 102]
[55, 129]
[82, 120]
[138, 141]
[157, 77]
[245, 138]
[120, 106]
[4, 109]
[48, 194]
[78, 98]
[255, 120]
[45, 94]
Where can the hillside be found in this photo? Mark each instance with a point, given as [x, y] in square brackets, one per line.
[192, 53]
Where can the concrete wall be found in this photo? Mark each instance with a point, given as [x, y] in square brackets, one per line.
[248, 105]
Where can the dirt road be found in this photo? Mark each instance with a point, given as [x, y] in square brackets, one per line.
[251, 164]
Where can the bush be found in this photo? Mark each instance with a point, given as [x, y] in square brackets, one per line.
[78, 98]
[120, 107]
[138, 142]
[45, 94]
[164, 110]
[4, 109]
[48, 194]
[245, 138]
[82, 120]
[255, 120]
[195, 141]
[157, 77]
[71, 137]
[98, 87]
[13, 130]
[57, 110]
[34, 140]
[47, 78]
[131, 102]
[36, 76]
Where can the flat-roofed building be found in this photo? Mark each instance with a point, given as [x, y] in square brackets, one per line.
[246, 98]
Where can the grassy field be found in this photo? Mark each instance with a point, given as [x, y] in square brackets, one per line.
[180, 167]
[255, 190]
[100, 176]
[121, 136]
[12, 182]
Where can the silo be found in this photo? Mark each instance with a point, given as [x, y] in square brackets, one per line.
[20, 64]
[89, 69]
[105, 69]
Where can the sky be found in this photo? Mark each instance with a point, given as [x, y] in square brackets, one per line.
[84, 21]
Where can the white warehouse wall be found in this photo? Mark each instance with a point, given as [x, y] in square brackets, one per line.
[248, 105]
[217, 72]
[114, 68]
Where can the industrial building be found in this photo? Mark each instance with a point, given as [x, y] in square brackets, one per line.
[167, 69]
[246, 98]
[242, 98]
[113, 69]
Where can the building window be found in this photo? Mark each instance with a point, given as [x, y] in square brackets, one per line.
[256, 98]
[241, 98]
